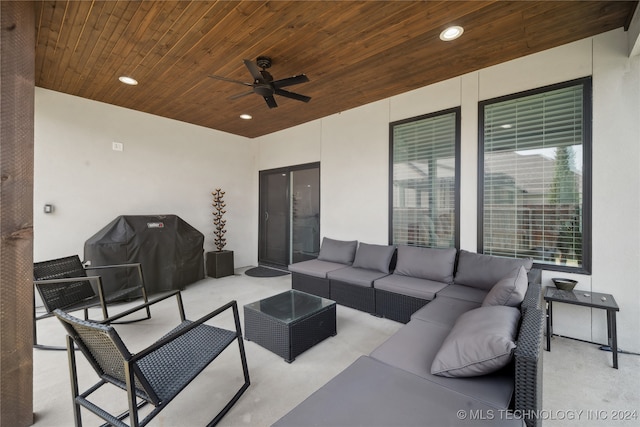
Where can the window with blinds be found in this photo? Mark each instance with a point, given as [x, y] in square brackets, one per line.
[534, 176]
[424, 196]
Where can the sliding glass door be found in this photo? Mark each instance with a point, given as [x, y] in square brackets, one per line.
[289, 226]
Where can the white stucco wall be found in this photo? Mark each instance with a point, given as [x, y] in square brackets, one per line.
[166, 167]
[353, 151]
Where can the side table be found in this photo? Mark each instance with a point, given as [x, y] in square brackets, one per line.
[586, 299]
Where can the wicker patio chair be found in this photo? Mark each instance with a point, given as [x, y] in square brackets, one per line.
[63, 283]
[154, 375]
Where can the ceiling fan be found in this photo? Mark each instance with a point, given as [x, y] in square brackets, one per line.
[264, 85]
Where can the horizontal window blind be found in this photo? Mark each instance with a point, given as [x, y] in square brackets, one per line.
[424, 181]
[533, 177]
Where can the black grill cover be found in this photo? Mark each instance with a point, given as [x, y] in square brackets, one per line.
[170, 250]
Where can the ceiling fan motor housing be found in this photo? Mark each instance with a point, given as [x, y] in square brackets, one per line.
[263, 89]
[263, 62]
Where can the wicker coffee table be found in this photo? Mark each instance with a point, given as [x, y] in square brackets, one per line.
[290, 323]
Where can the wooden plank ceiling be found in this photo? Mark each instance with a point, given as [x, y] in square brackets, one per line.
[354, 53]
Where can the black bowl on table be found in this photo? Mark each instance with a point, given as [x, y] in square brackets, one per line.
[564, 284]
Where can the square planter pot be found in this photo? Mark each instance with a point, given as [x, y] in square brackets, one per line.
[219, 264]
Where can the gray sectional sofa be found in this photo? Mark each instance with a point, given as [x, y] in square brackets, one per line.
[469, 353]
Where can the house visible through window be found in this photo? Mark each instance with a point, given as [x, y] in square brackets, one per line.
[424, 197]
[534, 176]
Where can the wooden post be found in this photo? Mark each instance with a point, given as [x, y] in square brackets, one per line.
[17, 62]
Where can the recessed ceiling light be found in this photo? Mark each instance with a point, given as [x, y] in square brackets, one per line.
[451, 33]
[128, 80]
[246, 116]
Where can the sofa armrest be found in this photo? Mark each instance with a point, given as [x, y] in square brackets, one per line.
[534, 276]
[528, 367]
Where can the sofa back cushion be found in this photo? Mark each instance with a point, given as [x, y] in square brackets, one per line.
[374, 257]
[426, 263]
[509, 290]
[483, 271]
[340, 251]
[481, 342]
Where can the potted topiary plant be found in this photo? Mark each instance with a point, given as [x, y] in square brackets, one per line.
[219, 262]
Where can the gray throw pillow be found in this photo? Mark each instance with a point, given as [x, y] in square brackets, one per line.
[374, 257]
[340, 251]
[481, 341]
[426, 263]
[483, 271]
[509, 290]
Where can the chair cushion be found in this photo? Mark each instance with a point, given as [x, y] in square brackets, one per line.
[483, 271]
[465, 293]
[374, 257]
[444, 310]
[410, 286]
[481, 341]
[355, 276]
[315, 267]
[340, 251]
[508, 291]
[426, 263]
[373, 394]
[413, 348]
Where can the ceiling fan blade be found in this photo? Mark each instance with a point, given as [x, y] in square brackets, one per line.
[290, 81]
[271, 101]
[292, 95]
[240, 95]
[254, 70]
[224, 79]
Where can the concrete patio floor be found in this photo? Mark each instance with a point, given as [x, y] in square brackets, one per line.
[580, 386]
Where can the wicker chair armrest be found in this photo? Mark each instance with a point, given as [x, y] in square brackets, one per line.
[125, 313]
[191, 325]
[67, 280]
[103, 267]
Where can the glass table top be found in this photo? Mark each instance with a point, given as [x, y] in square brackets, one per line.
[290, 306]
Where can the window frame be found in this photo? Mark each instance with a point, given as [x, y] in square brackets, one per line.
[587, 166]
[457, 141]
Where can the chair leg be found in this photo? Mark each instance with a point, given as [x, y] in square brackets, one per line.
[74, 381]
[35, 335]
[146, 300]
[243, 356]
[131, 392]
[144, 290]
[245, 369]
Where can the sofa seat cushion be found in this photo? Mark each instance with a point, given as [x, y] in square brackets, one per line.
[481, 342]
[410, 286]
[373, 394]
[483, 271]
[413, 348]
[315, 267]
[340, 251]
[374, 257]
[356, 276]
[464, 293]
[444, 310]
[426, 263]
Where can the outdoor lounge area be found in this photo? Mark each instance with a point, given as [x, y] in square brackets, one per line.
[519, 140]
[277, 386]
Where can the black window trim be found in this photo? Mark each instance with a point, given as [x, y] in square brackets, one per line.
[458, 154]
[587, 165]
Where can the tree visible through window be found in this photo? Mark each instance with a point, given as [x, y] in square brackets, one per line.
[535, 175]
